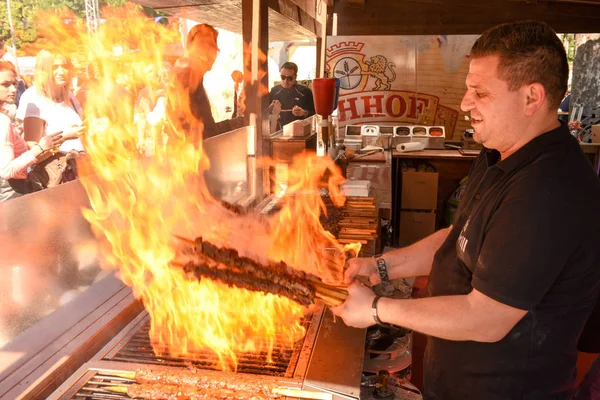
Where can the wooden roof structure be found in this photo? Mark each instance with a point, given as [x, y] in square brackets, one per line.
[287, 20]
[450, 17]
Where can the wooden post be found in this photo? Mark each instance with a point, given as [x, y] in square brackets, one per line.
[320, 61]
[255, 33]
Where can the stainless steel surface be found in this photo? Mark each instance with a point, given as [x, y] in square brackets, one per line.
[99, 371]
[48, 255]
[229, 175]
[37, 361]
[433, 143]
[337, 359]
[132, 345]
[329, 360]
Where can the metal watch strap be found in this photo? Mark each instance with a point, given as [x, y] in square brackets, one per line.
[382, 269]
[374, 311]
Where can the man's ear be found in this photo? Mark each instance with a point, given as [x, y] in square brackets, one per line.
[535, 97]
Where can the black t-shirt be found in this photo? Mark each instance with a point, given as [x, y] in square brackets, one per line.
[589, 341]
[200, 107]
[298, 95]
[197, 102]
[526, 234]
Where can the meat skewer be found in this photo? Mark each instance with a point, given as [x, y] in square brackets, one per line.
[246, 281]
[191, 378]
[227, 266]
[231, 257]
[159, 391]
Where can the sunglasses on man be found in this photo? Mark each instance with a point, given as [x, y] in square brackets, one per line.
[287, 78]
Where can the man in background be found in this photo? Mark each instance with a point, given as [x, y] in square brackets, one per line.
[188, 106]
[290, 100]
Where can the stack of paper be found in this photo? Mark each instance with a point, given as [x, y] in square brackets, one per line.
[356, 188]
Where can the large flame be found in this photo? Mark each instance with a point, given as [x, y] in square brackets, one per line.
[139, 203]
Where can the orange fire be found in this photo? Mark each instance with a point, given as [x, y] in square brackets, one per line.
[138, 204]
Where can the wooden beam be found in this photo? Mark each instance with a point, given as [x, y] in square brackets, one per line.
[227, 14]
[446, 17]
[255, 34]
[593, 2]
[356, 3]
[293, 12]
[320, 63]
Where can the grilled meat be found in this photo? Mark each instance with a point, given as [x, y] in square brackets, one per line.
[331, 218]
[189, 378]
[159, 391]
[278, 285]
[232, 258]
[227, 266]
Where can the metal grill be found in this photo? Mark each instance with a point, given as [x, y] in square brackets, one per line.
[94, 389]
[328, 360]
[138, 349]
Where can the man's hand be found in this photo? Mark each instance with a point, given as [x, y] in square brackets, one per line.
[574, 125]
[362, 266]
[275, 107]
[299, 111]
[356, 310]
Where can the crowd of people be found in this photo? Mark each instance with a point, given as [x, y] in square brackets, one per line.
[46, 121]
[42, 125]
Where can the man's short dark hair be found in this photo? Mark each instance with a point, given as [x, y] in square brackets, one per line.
[290, 65]
[530, 52]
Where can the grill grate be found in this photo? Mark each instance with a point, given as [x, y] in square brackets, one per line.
[94, 388]
[138, 349]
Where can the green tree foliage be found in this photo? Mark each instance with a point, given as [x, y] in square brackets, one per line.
[24, 14]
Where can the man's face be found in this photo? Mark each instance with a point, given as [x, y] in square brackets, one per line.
[288, 78]
[496, 112]
[203, 55]
[8, 87]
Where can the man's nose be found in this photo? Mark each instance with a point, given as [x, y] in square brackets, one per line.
[467, 102]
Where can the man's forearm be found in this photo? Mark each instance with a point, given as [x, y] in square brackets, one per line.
[416, 259]
[446, 317]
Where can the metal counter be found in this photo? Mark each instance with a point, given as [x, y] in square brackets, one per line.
[48, 255]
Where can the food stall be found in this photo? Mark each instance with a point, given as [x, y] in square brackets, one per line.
[73, 330]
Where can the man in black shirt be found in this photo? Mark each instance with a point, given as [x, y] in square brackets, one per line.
[188, 106]
[289, 99]
[513, 281]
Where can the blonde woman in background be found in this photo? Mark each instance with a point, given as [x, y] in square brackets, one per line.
[49, 106]
[15, 154]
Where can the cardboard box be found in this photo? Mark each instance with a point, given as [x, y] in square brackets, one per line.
[595, 133]
[415, 226]
[419, 190]
[298, 128]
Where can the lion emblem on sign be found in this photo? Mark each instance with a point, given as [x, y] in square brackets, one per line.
[378, 67]
[354, 69]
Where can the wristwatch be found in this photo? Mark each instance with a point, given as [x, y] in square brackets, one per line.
[374, 311]
[382, 269]
[385, 288]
